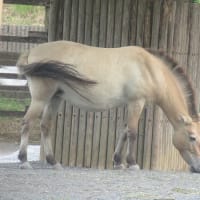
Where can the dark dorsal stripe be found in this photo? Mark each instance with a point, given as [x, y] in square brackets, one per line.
[179, 72]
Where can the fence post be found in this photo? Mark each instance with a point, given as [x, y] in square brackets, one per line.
[1, 10]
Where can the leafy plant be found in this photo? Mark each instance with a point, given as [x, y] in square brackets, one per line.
[196, 1]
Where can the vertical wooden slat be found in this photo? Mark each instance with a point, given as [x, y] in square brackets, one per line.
[148, 138]
[111, 138]
[53, 14]
[118, 23]
[125, 23]
[67, 20]
[74, 136]
[133, 22]
[96, 22]
[103, 26]
[81, 139]
[88, 139]
[59, 132]
[67, 134]
[88, 21]
[140, 138]
[74, 20]
[96, 139]
[103, 140]
[81, 21]
[110, 23]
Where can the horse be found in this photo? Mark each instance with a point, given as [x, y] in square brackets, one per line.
[97, 78]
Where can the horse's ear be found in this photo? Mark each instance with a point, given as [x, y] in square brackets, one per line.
[186, 120]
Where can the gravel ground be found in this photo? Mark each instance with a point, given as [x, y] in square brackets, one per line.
[44, 183]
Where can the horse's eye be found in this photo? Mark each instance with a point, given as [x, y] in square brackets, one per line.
[192, 138]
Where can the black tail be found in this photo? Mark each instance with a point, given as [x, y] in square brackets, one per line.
[55, 70]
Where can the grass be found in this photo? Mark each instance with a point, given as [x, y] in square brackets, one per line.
[23, 15]
[9, 104]
[196, 1]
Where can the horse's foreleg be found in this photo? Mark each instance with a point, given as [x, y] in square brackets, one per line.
[33, 112]
[118, 151]
[134, 110]
[130, 157]
[46, 122]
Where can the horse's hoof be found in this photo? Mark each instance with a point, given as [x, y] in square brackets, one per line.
[120, 166]
[134, 167]
[57, 166]
[25, 165]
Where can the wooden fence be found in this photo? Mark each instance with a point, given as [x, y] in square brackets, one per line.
[13, 41]
[88, 139]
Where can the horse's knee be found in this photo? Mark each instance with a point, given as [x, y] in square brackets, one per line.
[44, 129]
[132, 134]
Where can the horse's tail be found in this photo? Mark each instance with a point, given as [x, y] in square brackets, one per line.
[53, 69]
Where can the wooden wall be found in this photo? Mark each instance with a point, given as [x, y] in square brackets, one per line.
[88, 139]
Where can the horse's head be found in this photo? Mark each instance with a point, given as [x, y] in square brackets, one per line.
[187, 140]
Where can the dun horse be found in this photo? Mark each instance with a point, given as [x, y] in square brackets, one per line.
[100, 78]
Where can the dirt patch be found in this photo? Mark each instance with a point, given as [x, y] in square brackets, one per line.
[10, 130]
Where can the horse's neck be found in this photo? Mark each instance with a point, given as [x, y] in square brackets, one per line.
[173, 102]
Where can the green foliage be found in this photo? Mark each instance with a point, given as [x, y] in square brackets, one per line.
[23, 14]
[196, 1]
[13, 104]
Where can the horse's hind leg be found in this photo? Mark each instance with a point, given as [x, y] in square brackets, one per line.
[129, 134]
[46, 122]
[33, 113]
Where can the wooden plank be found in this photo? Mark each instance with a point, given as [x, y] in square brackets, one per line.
[110, 23]
[111, 138]
[74, 21]
[53, 20]
[133, 22]
[88, 21]
[14, 94]
[140, 22]
[88, 139]
[96, 140]
[14, 88]
[81, 139]
[1, 8]
[103, 140]
[33, 39]
[67, 134]
[81, 22]
[140, 138]
[148, 137]
[95, 23]
[67, 19]
[125, 23]
[4, 113]
[118, 23]
[59, 132]
[11, 76]
[29, 2]
[74, 136]
[103, 24]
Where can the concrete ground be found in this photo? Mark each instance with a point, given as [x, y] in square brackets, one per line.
[44, 183]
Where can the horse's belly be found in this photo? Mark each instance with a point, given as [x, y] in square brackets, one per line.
[93, 99]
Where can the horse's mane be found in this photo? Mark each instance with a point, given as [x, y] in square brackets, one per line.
[182, 77]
